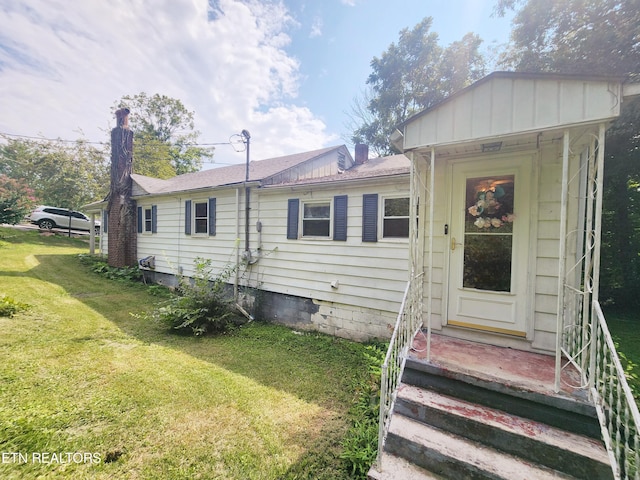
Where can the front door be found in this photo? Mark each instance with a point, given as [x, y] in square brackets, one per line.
[488, 245]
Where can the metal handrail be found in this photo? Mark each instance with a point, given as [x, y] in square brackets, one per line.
[406, 327]
[617, 409]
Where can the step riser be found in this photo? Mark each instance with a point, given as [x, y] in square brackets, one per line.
[436, 462]
[525, 447]
[570, 421]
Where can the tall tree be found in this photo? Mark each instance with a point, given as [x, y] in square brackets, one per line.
[164, 136]
[597, 37]
[59, 174]
[410, 76]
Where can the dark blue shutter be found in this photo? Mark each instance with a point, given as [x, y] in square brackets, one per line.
[154, 219]
[340, 217]
[105, 222]
[293, 211]
[212, 216]
[370, 217]
[187, 217]
[139, 219]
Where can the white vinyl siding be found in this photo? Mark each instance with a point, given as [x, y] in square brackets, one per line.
[307, 267]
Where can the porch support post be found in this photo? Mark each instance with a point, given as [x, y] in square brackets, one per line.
[92, 234]
[432, 162]
[562, 257]
[597, 232]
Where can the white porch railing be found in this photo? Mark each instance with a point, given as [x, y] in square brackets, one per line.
[617, 409]
[407, 326]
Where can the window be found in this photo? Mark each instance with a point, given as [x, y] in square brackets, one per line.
[395, 219]
[317, 218]
[148, 219]
[203, 221]
[201, 217]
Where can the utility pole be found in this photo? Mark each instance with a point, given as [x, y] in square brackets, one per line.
[247, 196]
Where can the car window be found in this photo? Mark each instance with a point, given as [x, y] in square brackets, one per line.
[58, 211]
[79, 215]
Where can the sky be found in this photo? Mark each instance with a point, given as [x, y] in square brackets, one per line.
[288, 71]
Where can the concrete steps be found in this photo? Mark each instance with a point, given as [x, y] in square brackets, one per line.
[458, 426]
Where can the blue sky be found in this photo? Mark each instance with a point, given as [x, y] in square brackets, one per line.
[288, 71]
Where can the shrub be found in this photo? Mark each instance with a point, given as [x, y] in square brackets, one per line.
[99, 265]
[16, 200]
[9, 307]
[200, 305]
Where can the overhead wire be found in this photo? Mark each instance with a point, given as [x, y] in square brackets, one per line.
[45, 139]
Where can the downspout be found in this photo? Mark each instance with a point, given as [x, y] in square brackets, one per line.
[562, 255]
[237, 273]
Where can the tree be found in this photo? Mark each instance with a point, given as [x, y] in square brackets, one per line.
[594, 37]
[597, 37]
[59, 174]
[164, 136]
[414, 74]
[16, 200]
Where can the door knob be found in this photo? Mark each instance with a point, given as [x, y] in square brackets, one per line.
[453, 243]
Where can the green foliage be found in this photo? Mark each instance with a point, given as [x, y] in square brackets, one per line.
[99, 265]
[16, 200]
[164, 136]
[593, 37]
[9, 306]
[201, 305]
[59, 174]
[410, 76]
[360, 445]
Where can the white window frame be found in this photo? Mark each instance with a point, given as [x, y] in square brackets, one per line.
[382, 218]
[328, 202]
[195, 218]
[147, 223]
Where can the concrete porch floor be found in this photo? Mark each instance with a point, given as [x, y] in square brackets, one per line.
[517, 368]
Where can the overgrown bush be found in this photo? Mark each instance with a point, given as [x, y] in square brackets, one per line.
[360, 444]
[99, 265]
[200, 305]
[9, 306]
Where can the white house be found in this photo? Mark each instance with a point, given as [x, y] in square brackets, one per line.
[324, 245]
[507, 178]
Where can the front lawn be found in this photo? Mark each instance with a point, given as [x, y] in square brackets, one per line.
[90, 389]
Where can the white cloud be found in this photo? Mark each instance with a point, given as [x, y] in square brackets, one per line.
[316, 28]
[63, 65]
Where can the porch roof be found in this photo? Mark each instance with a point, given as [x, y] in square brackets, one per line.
[506, 104]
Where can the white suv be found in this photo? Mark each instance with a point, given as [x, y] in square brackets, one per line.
[53, 217]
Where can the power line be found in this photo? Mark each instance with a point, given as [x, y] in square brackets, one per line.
[60, 140]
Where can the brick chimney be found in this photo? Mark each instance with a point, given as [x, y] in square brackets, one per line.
[122, 232]
[362, 153]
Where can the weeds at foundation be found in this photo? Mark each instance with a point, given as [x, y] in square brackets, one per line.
[360, 444]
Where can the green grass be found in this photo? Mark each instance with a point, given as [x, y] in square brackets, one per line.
[82, 371]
